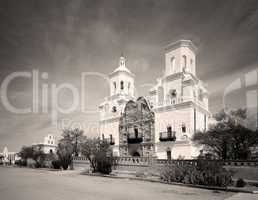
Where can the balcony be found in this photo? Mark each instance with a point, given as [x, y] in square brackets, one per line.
[134, 139]
[167, 136]
[109, 140]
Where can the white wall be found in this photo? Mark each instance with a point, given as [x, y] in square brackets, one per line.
[175, 118]
[178, 150]
[199, 120]
[47, 148]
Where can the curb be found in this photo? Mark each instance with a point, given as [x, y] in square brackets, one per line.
[174, 183]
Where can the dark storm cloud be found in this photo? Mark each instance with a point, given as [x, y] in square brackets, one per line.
[65, 38]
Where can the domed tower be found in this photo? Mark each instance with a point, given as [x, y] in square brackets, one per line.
[121, 82]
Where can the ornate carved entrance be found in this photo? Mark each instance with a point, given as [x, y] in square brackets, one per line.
[136, 129]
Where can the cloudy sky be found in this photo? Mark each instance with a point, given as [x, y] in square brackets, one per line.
[65, 38]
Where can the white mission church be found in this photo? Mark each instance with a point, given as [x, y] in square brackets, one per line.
[163, 123]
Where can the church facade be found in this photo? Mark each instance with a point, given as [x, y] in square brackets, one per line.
[162, 123]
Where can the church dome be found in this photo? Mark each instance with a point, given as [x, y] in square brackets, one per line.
[122, 67]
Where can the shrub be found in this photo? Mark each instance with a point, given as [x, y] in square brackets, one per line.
[49, 160]
[56, 164]
[65, 165]
[34, 155]
[99, 153]
[240, 183]
[64, 152]
[37, 165]
[48, 164]
[175, 173]
[104, 165]
[21, 163]
[31, 163]
[203, 173]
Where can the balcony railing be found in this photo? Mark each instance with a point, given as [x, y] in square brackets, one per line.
[111, 141]
[173, 102]
[132, 139]
[167, 136]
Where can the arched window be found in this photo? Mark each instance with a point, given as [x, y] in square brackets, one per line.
[112, 141]
[173, 95]
[136, 132]
[172, 64]
[183, 128]
[122, 85]
[169, 131]
[184, 62]
[114, 84]
[114, 109]
[160, 95]
[168, 150]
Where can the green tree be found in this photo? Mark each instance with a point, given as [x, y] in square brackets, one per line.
[228, 138]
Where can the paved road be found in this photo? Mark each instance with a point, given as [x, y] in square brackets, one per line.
[26, 184]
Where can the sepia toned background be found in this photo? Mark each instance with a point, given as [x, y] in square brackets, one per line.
[66, 38]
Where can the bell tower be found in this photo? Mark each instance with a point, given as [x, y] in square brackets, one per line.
[180, 57]
[122, 80]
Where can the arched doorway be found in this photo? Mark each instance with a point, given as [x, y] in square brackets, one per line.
[136, 128]
[136, 154]
[169, 154]
[169, 131]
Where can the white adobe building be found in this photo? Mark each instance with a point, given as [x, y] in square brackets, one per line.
[49, 145]
[8, 157]
[163, 123]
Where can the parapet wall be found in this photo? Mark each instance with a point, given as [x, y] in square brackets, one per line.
[143, 163]
[247, 170]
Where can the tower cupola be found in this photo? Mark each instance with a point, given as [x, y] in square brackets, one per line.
[122, 80]
[180, 56]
